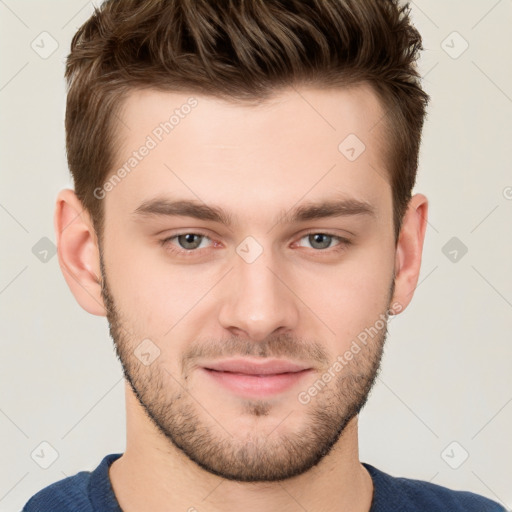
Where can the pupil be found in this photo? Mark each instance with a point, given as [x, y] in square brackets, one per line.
[322, 239]
[189, 240]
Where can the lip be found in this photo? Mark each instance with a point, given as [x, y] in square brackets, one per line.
[255, 379]
[254, 367]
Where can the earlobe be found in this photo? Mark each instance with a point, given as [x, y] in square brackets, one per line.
[78, 252]
[409, 250]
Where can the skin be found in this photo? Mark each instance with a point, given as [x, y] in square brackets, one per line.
[295, 301]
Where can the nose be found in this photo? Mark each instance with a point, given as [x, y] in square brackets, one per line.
[258, 301]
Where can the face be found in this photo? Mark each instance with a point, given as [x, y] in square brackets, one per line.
[248, 271]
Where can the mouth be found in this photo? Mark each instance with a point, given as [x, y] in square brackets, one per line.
[254, 378]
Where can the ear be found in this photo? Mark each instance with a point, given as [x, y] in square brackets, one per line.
[409, 250]
[78, 252]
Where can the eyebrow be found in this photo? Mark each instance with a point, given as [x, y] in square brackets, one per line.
[304, 212]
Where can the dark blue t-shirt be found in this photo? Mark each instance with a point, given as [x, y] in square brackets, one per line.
[91, 492]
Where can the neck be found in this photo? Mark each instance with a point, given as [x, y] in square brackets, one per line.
[153, 474]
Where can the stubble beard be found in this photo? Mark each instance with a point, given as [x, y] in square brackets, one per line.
[252, 456]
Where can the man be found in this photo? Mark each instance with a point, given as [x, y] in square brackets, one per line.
[243, 215]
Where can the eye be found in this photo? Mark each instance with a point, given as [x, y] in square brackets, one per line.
[189, 243]
[186, 243]
[322, 241]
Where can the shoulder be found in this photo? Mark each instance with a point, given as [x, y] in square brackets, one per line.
[70, 494]
[394, 493]
[67, 494]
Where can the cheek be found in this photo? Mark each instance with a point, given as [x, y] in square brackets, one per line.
[354, 294]
[153, 294]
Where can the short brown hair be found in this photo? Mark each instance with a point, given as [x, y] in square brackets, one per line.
[240, 50]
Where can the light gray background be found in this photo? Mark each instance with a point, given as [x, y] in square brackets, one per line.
[447, 368]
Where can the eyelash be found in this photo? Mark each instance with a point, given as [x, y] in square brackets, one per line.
[343, 243]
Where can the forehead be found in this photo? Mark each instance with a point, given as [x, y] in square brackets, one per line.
[302, 143]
